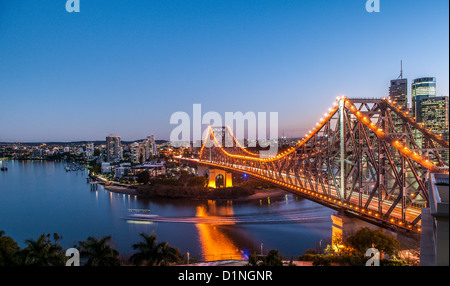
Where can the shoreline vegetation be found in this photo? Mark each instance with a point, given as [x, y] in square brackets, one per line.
[233, 193]
[172, 189]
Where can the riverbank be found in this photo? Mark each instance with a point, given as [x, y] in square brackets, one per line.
[168, 191]
[186, 192]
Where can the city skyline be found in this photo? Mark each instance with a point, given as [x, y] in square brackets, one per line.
[124, 69]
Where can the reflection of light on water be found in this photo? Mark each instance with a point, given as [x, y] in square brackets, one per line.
[215, 244]
[139, 222]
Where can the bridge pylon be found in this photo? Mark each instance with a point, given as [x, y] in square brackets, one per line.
[217, 178]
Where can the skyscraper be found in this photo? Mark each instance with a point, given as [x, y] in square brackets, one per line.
[113, 148]
[421, 88]
[398, 90]
[434, 112]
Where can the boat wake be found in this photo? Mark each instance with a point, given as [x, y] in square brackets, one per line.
[288, 217]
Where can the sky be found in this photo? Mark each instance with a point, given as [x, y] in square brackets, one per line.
[125, 66]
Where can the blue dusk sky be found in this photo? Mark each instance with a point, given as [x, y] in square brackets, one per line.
[125, 66]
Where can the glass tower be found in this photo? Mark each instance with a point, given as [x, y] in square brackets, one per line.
[434, 114]
[421, 88]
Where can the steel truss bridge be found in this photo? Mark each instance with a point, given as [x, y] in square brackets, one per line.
[366, 157]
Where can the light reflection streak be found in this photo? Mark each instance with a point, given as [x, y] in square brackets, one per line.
[215, 244]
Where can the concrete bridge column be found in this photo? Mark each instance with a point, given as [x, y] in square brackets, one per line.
[216, 175]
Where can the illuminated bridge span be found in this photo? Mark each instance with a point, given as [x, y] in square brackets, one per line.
[366, 157]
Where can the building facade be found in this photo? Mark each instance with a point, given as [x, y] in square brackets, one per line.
[421, 88]
[114, 151]
[398, 91]
[434, 114]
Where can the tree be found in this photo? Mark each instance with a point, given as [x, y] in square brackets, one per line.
[366, 238]
[98, 252]
[146, 250]
[321, 260]
[150, 253]
[197, 182]
[42, 252]
[9, 251]
[273, 258]
[254, 260]
[143, 177]
[165, 254]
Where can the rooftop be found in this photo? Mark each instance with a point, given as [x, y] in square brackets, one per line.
[439, 189]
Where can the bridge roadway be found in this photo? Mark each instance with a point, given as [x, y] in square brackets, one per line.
[331, 198]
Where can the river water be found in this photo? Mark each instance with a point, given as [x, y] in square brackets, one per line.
[42, 197]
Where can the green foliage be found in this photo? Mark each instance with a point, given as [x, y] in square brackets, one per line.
[322, 260]
[392, 262]
[9, 251]
[98, 252]
[164, 182]
[143, 178]
[43, 252]
[197, 182]
[366, 238]
[150, 253]
[273, 258]
[169, 191]
[95, 168]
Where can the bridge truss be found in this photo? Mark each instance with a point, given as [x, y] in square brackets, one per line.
[366, 156]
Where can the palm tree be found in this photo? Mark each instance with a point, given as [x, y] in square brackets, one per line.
[146, 250]
[42, 252]
[98, 252]
[165, 254]
[150, 253]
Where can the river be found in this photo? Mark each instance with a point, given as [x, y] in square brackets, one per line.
[42, 197]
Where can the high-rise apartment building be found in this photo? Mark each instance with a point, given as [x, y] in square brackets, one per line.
[421, 88]
[149, 148]
[113, 148]
[135, 153]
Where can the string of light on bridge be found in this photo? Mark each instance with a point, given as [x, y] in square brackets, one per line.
[328, 199]
[404, 150]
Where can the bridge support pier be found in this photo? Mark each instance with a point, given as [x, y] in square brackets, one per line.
[216, 177]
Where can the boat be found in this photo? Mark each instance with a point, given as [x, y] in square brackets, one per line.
[4, 168]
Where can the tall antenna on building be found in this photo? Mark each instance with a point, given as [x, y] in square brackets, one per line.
[401, 70]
